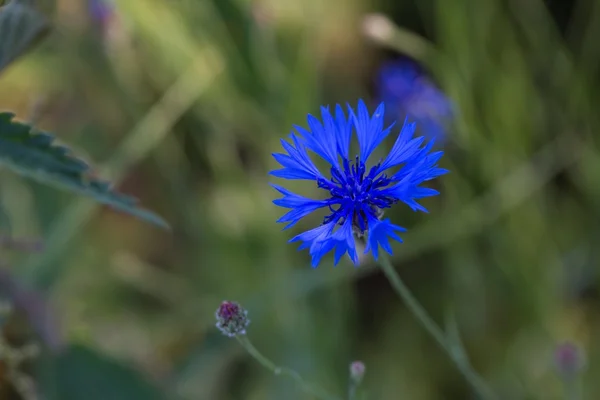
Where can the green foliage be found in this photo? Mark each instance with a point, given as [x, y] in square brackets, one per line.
[510, 245]
[82, 373]
[35, 155]
[21, 27]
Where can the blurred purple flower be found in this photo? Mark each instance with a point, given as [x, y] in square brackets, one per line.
[407, 92]
[34, 307]
[101, 12]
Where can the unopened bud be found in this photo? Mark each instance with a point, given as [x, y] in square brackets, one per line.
[357, 371]
[232, 319]
[569, 359]
[378, 27]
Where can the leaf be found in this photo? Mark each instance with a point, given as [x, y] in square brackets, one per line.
[36, 156]
[21, 27]
[82, 373]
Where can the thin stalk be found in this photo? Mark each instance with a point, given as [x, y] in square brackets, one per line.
[271, 366]
[461, 361]
[352, 391]
[571, 389]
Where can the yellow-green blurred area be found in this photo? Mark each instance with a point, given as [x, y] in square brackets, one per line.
[182, 102]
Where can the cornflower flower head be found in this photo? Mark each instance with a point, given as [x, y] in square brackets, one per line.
[357, 192]
[407, 91]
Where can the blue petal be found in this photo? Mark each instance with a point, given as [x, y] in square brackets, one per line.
[344, 243]
[292, 169]
[378, 234]
[404, 149]
[322, 240]
[343, 131]
[419, 169]
[291, 173]
[422, 168]
[318, 240]
[321, 139]
[419, 193]
[330, 134]
[297, 165]
[369, 130]
[301, 206]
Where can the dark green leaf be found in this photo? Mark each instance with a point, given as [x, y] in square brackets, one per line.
[35, 155]
[21, 27]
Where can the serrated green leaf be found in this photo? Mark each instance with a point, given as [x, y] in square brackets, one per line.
[21, 26]
[82, 373]
[35, 155]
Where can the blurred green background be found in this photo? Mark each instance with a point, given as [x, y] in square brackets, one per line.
[182, 102]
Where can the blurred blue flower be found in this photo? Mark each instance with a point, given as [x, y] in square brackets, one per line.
[408, 92]
[357, 194]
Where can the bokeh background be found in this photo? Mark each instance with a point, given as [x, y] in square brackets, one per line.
[182, 102]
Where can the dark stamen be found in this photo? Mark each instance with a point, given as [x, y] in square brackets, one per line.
[356, 194]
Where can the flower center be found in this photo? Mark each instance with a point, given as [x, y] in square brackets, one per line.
[355, 191]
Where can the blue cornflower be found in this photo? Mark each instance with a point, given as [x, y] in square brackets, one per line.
[407, 91]
[356, 193]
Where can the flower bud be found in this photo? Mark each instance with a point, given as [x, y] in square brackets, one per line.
[357, 371]
[569, 359]
[232, 319]
[378, 27]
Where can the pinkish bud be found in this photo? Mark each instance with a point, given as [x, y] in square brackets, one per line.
[232, 319]
[357, 371]
[569, 359]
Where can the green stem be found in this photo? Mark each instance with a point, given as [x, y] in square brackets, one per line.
[461, 361]
[571, 389]
[352, 391]
[268, 364]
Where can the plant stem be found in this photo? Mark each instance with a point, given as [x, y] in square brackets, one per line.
[352, 391]
[571, 389]
[459, 358]
[268, 364]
